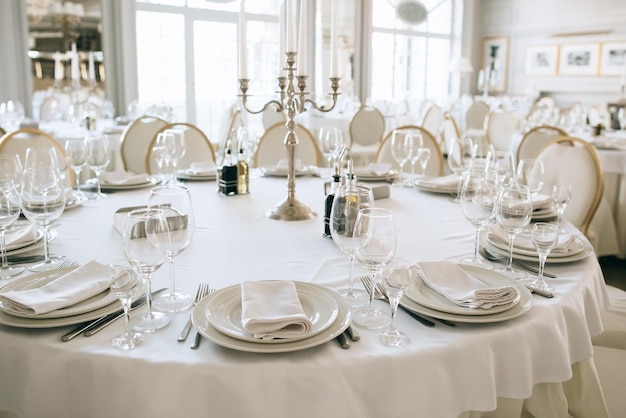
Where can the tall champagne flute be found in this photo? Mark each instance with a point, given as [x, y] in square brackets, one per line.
[10, 183]
[146, 239]
[76, 152]
[503, 166]
[177, 199]
[544, 237]
[348, 201]
[460, 158]
[127, 285]
[42, 202]
[402, 149]
[530, 174]
[98, 158]
[477, 202]
[374, 246]
[561, 195]
[418, 143]
[175, 142]
[513, 213]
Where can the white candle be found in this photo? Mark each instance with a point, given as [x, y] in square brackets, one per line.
[301, 64]
[334, 65]
[58, 67]
[291, 25]
[243, 70]
[74, 63]
[281, 37]
[92, 69]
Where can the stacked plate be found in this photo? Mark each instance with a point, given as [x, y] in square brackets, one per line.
[420, 298]
[195, 175]
[92, 308]
[112, 183]
[23, 237]
[445, 184]
[368, 174]
[281, 171]
[218, 318]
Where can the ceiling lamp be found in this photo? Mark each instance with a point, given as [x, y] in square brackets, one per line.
[411, 12]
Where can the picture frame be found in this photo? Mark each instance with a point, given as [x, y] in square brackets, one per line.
[579, 59]
[542, 60]
[613, 59]
[499, 46]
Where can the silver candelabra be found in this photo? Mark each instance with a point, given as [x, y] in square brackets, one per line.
[293, 100]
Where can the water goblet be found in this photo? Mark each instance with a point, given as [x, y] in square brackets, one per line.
[348, 201]
[127, 285]
[9, 212]
[175, 143]
[477, 202]
[374, 245]
[181, 226]
[76, 153]
[545, 237]
[402, 147]
[561, 195]
[330, 141]
[483, 154]
[396, 278]
[146, 240]
[513, 213]
[530, 174]
[418, 143]
[502, 165]
[98, 158]
[423, 157]
[460, 158]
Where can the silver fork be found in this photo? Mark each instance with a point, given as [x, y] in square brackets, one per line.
[203, 290]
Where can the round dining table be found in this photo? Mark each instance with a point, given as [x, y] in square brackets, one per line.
[540, 361]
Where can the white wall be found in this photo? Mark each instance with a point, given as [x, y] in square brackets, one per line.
[536, 22]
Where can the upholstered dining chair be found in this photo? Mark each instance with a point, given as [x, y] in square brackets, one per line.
[535, 139]
[435, 163]
[450, 131]
[2, 132]
[500, 125]
[271, 148]
[475, 115]
[271, 117]
[135, 142]
[432, 121]
[198, 148]
[574, 162]
[367, 128]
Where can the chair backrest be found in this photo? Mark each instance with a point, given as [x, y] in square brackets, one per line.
[574, 162]
[435, 163]
[534, 140]
[271, 148]
[2, 131]
[271, 117]
[432, 120]
[198, 148]
[18, 141]
[135, 142]
[232, 119]
[367, 126]
[425, 105]
[500, 125]
[450, 131]
[476, 114]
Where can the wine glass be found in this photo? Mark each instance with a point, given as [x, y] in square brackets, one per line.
[561, 195]
[158, 152]
[97, 147]
[42, 202]
[418, 143]
[146, 240]
[544, 237]
[249, 141]
[477, 203]
[402, 146]
[182, 225]
[503, 166]
[347, 203]
[10, 184]
[330, 141]
[530, 174]
[423, 157]
[127, 285]
[460, 158]
[482, 155]
[175, 143]
[374, 245]
[76, 153]
[513, 213]
[396, 278]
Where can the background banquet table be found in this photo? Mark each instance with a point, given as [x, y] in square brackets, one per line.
[443, 372]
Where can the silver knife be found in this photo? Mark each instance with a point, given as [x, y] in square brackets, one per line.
[343, 340]
[351, 332]
[105, 320]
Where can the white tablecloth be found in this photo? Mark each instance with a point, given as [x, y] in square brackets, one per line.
[443, 372]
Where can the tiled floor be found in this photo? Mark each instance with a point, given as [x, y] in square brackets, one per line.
[614, 270]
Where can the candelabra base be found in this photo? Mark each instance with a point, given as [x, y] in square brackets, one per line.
[291, 210]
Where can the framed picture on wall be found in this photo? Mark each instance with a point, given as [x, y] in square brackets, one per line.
[578, 59]
[495, 62]
[613, 59]
[542, 60]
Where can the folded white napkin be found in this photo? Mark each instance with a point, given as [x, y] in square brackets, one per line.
[123, 177]
[523, 241]
[21, 234]
[202, 168]
[373, 169]
[284, 166]
[463, 289]
[69, 289]
[541, 201]
[449, 181]
[272, 309]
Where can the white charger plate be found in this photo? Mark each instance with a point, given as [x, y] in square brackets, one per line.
[421, 293]
[188, 175]
[202, 325]
[37, 280]
[524, 304]
[224, 312]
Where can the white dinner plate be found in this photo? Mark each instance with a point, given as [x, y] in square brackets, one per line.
[423, 183]
[190, 176]
[364, 175]
[201, 322]
[273, 171]
[224, 312]
[37, 280]
[11, 248]
[524, 304]
[580, 251]
[421, 293]
[75, 201]
[116, 187]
